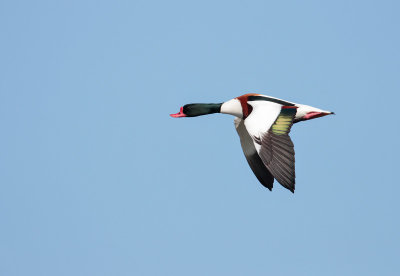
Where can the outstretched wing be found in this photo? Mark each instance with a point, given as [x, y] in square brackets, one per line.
[256, 164]
[268, 126]
[277, 149]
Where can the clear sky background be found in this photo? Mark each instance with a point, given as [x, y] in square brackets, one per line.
[97, 179]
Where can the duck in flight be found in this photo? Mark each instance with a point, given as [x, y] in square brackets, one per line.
[263, 124]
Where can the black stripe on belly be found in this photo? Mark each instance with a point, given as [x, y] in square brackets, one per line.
[263, 98]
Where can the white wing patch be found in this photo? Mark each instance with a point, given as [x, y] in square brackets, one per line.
[261, 119]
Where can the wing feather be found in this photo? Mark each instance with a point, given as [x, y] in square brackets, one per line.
[266, 143]
[253, 159]
[277, 149]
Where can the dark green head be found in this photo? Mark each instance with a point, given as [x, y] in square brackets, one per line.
[197, 109]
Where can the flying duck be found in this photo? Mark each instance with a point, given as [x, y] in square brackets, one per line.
[263, 124]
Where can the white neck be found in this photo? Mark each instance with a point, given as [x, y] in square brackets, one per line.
[232, 107]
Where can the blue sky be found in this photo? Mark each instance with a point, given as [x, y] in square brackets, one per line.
[97, 179]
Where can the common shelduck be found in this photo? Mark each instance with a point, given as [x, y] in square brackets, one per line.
[263, 124]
